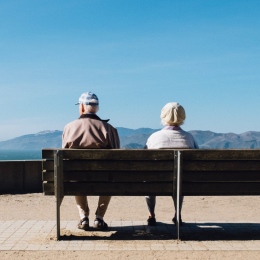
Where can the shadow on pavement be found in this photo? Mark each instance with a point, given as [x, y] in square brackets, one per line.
[207, 231]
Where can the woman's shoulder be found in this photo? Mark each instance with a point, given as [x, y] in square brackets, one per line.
[157, 133]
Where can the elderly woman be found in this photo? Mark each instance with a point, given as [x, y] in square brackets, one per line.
[171, 136]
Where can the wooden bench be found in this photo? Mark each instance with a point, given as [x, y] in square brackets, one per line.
[107, 172]
[163, 172]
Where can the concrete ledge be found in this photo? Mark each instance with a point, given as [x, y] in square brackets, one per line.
[20, 177]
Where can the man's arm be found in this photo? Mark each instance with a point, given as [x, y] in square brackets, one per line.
[65, 143]
[114, 138]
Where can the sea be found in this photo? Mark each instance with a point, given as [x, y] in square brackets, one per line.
[7, 155]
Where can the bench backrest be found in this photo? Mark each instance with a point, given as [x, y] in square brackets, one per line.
[110, 172]
[220, 172]
[151, 172]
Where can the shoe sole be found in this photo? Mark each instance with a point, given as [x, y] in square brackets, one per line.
[104, 227]
[83, 227]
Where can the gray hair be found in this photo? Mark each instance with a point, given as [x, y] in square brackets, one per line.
[91, 109]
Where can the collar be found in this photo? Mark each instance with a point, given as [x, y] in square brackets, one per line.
[93, 116]
[172, 127]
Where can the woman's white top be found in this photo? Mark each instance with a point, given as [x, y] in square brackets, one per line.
[171, 137]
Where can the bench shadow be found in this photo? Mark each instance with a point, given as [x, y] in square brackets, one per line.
[213, 231]
[162, 231]
[207, 231]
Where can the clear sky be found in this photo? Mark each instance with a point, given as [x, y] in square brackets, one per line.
[136, 55]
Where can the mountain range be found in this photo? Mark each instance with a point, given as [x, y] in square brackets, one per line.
[136, 139]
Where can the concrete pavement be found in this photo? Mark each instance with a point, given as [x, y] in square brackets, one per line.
[129, 235]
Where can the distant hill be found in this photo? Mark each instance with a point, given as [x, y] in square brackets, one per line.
[211, 140]
[44, 139]
[136, 139]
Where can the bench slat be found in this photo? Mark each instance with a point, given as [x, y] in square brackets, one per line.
[107, 165]
[221, 154]
[224, 176]
[122, 176]
[110, 154]
[220, 188]
[113, 189]
[220, 165]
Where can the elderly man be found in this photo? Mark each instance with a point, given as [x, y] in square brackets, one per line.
[89, 131]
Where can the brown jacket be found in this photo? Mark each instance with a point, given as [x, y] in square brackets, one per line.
[89, 131]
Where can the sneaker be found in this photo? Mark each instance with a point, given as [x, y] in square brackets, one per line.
[83, 223]
[174, 220]
[100, 224]
[151, 221]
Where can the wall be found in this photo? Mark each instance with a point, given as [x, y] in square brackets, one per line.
[20, 177]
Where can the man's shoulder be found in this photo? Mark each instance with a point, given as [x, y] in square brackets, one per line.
[110, 127]
[72, 123]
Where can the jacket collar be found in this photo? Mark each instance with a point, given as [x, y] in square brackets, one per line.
[93, 116]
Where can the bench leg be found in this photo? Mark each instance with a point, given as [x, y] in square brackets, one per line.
[58, 186]
[58, 219]
[58, 203]
[178, 194]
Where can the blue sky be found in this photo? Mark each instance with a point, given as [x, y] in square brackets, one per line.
[136, 56]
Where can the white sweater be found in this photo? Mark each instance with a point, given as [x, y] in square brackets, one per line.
[168, 138]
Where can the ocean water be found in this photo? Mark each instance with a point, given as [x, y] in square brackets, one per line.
[6, 155]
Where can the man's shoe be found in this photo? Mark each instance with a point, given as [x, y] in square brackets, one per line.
[100, 224]
[83, 223]
[151, 221]
[174, 220]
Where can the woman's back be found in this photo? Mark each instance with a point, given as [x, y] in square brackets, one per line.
[171, 137]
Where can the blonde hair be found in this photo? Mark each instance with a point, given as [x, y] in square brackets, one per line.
[173, 114]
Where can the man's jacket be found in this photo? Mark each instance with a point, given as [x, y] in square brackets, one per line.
[89, 131]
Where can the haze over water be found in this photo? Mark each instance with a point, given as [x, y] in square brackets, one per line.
[6, 155]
